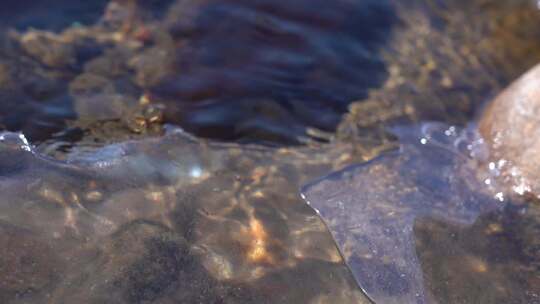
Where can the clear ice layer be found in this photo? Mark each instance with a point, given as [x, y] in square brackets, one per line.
[421, 225]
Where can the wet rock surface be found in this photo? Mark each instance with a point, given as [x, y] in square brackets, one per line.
[514, 135]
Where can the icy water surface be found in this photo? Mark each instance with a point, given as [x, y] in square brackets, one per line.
[423, 225]
[453, 216]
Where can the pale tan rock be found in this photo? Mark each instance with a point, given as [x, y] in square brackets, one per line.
[510, 126]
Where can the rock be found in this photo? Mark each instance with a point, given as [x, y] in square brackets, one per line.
[510, 125]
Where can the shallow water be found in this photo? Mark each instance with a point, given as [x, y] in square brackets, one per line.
[242, 71]
[166, 220]
[274, 63]
[109, 201]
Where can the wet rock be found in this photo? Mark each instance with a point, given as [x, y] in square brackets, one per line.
[510, 125]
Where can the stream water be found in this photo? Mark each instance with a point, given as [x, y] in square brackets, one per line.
[159, 151]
